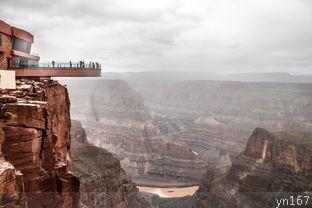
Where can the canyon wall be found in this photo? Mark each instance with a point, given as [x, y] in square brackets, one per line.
[148, 146]
[103, 182]
[178, 128]
[35, 147]
[272, 167]
[274, 170]
[215, 117]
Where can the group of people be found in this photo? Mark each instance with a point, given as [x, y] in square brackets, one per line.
[81, 64]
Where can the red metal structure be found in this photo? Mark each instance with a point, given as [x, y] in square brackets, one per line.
[15, 48]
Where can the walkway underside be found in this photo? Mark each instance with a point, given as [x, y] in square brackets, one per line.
[56, 72]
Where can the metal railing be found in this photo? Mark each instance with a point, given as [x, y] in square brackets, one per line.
[79, 65]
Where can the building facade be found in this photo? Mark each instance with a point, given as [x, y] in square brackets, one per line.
[15, 47]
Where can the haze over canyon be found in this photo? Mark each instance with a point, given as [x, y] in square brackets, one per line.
[170, 131]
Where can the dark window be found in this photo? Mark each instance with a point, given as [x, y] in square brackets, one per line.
[21, 45]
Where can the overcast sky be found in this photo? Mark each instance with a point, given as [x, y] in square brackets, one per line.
[222, 36]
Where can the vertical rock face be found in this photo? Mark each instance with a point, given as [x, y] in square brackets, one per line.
[12, 191]
[35, 121]
[78, 132]
[100, 174]
[272, 167]
[103, 182]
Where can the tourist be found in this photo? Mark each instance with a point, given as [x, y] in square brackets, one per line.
[53, 63]
[70, 64]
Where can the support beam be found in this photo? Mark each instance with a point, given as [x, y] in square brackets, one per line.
[56, 72]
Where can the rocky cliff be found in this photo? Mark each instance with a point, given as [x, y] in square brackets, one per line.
[148, 146]
[273, 168]
[103, 182]
[35, 167]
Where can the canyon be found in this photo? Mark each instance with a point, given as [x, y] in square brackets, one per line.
[274, 168]
[168, 132]
[149, 147]
[216, 118]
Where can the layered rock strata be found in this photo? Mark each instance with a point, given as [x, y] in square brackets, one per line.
[215, 117]
[12, 191]
[212, 119]
[103, 182]
[36, 158]
[148, 146]
[272, 169]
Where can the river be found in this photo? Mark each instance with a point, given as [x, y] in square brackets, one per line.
[169, 192]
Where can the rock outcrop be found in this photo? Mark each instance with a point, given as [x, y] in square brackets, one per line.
[12, 190]
[103, 182]
[273, 167]
[35, 152]
[148, 146]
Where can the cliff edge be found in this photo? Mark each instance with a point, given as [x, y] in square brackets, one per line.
[274, 170]
[103, 182]
[35, 163]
